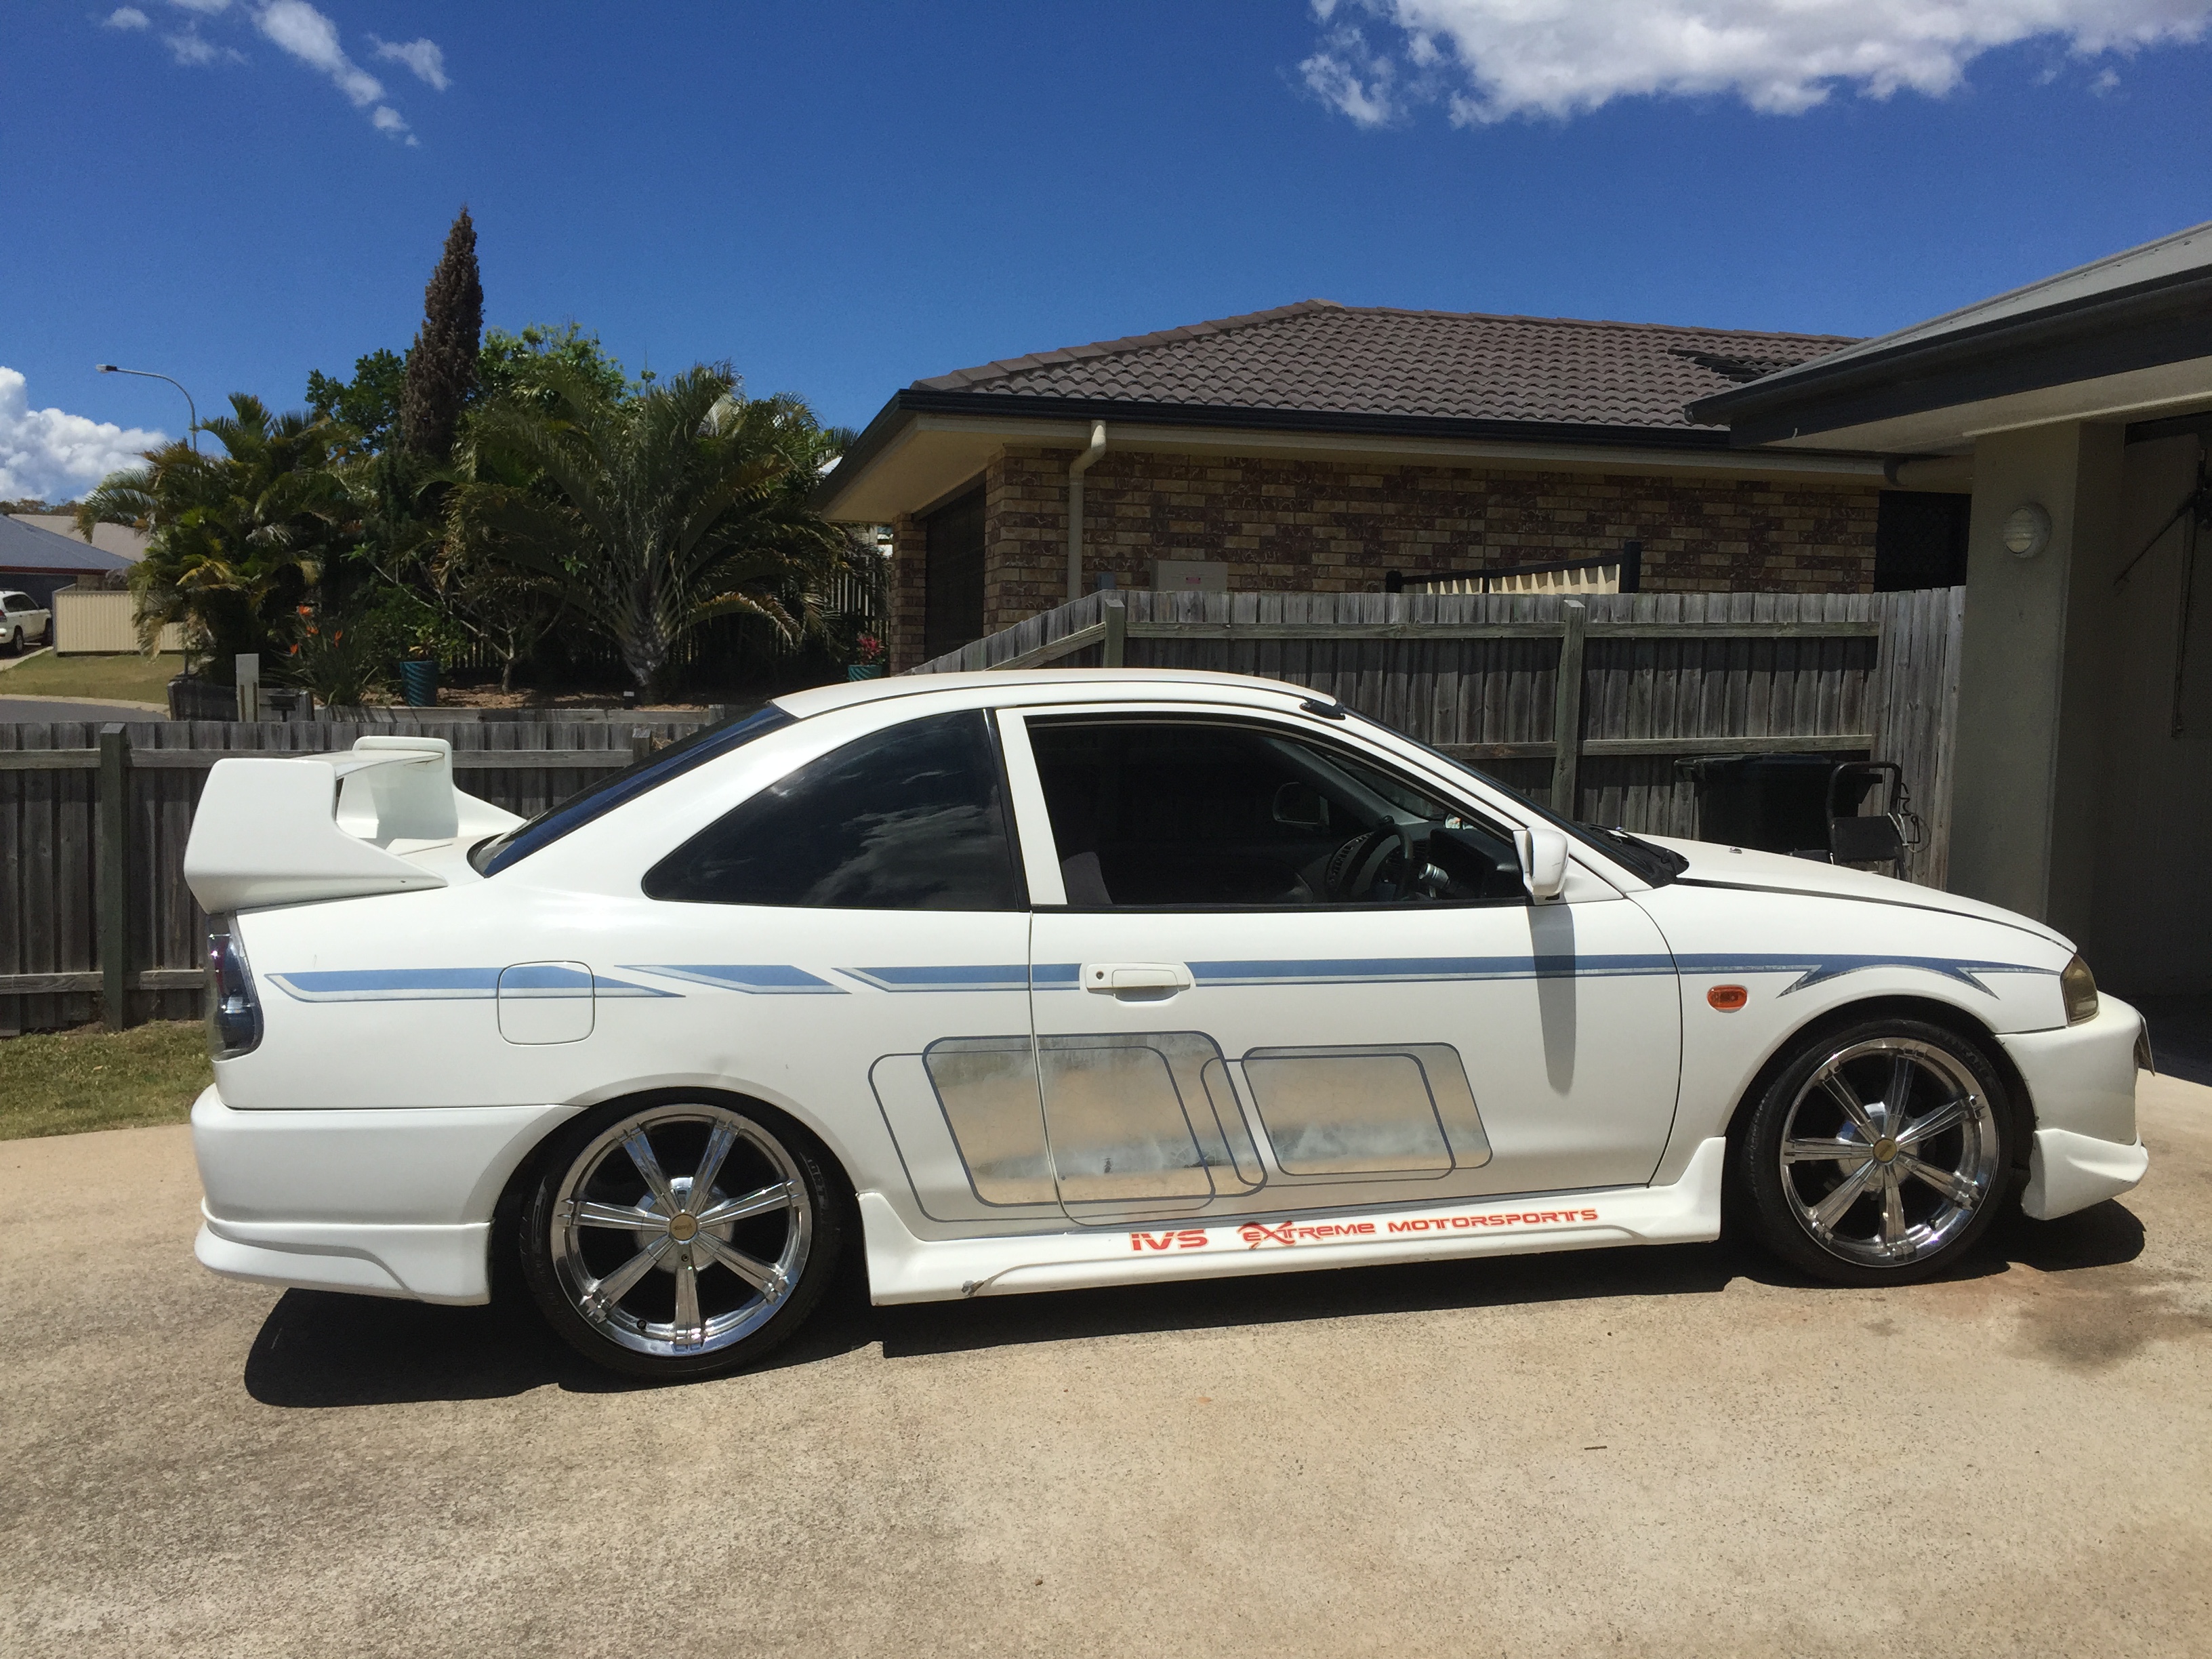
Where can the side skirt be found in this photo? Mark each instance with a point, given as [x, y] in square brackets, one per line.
[904, 1269]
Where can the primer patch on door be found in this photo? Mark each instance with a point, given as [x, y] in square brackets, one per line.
[1144, 1118]
[988, 1089]
[1367, 1110]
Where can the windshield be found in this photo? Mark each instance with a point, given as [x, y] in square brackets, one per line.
[1654, 865]
[492, 856]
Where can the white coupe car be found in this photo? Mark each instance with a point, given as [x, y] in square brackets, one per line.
[1020, 981]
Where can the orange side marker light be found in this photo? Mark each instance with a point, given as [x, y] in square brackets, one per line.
[1728, 998]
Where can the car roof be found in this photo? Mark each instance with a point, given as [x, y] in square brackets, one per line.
[1105, 684]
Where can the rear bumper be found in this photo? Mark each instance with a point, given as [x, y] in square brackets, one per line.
[2081, 1082]
[425, 1264]
[384, 1203]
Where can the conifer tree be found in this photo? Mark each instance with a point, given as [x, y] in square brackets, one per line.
[441, 368]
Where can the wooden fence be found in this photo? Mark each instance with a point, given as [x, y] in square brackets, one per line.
[94, 914]
[1587, 703]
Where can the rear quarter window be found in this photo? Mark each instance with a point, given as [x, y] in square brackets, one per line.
[911, 817]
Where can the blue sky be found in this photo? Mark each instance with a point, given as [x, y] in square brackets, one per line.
[841, 199]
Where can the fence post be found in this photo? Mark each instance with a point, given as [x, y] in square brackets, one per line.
[641, 743]
[112, 878]
[1117, 632]
[1567, 708]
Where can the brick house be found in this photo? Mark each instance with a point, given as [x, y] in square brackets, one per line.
[1319, 448]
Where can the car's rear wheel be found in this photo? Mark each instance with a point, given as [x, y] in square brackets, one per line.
[680, 1238]
[1879, 1153]
[15, 643]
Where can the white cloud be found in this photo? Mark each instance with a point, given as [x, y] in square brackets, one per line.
[312, 38]
[1351, 77]
[426, 58]
[388, 119]
[53, 455]
[301, 32]
[1494, 59]
[193, 50]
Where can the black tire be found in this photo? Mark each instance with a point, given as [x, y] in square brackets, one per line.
[568, 1257]
[15, 643]
[1948, 1183]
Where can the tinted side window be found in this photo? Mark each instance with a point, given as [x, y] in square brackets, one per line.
[907, 818]
[1164, 812]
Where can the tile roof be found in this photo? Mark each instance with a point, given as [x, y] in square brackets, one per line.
[27, 547]
[1318, 357]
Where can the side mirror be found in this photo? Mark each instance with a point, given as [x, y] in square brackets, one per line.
[1543, 862]
[1301, 807]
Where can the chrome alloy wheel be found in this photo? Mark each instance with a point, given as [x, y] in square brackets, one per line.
[677, 1264]
[1889, 1151]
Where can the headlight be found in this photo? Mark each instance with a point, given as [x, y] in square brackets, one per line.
[234, 1012]
[2079, 986]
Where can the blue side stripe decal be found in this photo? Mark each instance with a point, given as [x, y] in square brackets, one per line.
[1379, 970]
[1007, 976]
[532, 981]
[550, 979]
[757, 979]
[1810, 968]
[391, 984]
[1817, 967]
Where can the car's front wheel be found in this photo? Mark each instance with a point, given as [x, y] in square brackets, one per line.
[1878, 1154]
[680, 1238]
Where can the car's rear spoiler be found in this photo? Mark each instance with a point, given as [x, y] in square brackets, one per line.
[334, 825]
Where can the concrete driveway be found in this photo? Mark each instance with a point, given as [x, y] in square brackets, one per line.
[1679, 1451]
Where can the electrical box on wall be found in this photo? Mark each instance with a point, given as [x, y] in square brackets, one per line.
[1189, 576]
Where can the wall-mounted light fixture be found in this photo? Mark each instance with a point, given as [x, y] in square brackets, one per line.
[2027, 530]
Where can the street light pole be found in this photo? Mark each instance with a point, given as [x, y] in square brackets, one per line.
[193, 432]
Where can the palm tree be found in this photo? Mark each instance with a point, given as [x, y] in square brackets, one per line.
[654, 512]
[238, 538]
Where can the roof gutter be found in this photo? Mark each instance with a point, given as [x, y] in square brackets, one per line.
[897, 416]
[1081, 465]
[2168, 319]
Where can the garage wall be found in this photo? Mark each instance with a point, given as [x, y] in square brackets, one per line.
[2152, 874]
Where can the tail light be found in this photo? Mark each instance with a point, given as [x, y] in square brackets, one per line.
[233, 1011]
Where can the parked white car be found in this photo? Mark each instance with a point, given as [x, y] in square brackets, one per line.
[23, 621]
[1019, 982]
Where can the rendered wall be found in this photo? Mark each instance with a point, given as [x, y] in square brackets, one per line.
[2076, 800]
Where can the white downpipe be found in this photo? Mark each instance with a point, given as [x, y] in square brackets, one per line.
[1081, 465]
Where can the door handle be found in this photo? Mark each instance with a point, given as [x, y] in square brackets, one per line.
[1141, 981]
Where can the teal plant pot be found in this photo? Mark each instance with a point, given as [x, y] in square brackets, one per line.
[864, 671]
[418, 683]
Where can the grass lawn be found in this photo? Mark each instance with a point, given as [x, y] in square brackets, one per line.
[59, 1083]
[127, 678]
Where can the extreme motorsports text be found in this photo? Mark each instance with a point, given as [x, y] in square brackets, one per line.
[1258, 1233]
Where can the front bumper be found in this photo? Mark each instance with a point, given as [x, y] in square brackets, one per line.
[386, 1203]
[2082, 1081]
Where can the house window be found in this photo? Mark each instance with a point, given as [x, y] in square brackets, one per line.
[1919, 540]
[952, 563]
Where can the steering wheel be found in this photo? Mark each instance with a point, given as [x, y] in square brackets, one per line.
[1356, 867]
